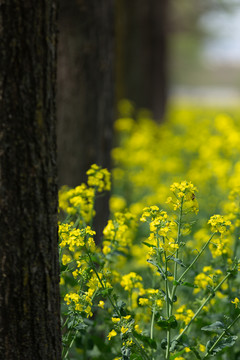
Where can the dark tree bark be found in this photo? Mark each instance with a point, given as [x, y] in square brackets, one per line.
[29, 268]
[141, 57]
[85, 87]
[85, 93]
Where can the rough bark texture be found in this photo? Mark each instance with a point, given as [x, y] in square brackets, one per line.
[85, 92]
[29, 270]
[141, 66]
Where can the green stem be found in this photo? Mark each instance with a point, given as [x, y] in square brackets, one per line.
[178, 236]
[69, 347]
[168, 344]
[142, 351]
[220, 337]
[77, 222]
[101, 283]
[166, 286]
[114, 307]
[196, 258]
[187, 270]
[151, 330]
[203, 304]
[152, 324]
[168, 310]
[66, 321]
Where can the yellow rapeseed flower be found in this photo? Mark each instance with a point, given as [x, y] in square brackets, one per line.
[235, 302]
[124, 329]
[101, 304]
[111, 334]
[115, 320]
[202, 348]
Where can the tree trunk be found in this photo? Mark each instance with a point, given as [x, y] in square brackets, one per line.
[85, 93]
[29, 268]
[141, 53]
[85, 87]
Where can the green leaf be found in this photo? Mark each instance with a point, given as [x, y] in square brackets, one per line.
[178, 261]
[80, 326]
[162, 322]
[164, 344]
[196, 353]
[171, 322]
[174, 345]
[158, 267]
[126, 352]
[216, 327]
[223, 343]
[121, 308]
[146, 340]
[211, 289]
[233, 272]
[105, 292]
[185, 283]
[174, 299]
[118, 252]
[135, 357]
[147, 244]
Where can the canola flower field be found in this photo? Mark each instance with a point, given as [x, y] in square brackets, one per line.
[164, 282]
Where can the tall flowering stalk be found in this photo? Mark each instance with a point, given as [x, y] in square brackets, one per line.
[166, 245]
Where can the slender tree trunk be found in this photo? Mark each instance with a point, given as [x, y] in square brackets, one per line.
[141, 53]
[29, 270]
[85, 93]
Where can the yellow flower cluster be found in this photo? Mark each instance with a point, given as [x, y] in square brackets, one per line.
[131, 281]
[184, 314]
[95, 282]
[152, 298]
[185, 197]
[70, 237]
[118, 233]
[124, 326]
[74, 238]
[207, 277]
[78, 201]
[220, 246]
[99, 178]
[152, 213]
[232, 207]
[219, 224]
[81, 302]
[161, 229]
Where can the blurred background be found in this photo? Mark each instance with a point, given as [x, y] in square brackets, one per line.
[204, 51]
[154, 53]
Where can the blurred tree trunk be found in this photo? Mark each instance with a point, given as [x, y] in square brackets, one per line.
[141, 53]
[29, 269]
[85, 87]
[85, 92]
